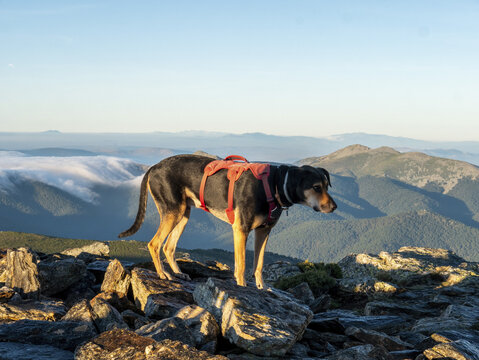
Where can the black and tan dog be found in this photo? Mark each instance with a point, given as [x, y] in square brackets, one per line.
[174, 184]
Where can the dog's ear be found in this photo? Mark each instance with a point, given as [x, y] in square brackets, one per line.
[327, 177]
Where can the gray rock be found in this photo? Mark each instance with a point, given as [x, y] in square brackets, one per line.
[275, 271]
[302, 292]
[159, 298]
[298, 351]
[81, 290]
[134, 320]
[62, 334]
[337, 320]
[118, 344]
[202, 324]
[436, 324]
[261, 322]
[82, 313]
[171, 328]
[18, 351]
[33, 310]
[404, 354]
[395, 308]
[320, 304]
[377, 338]
[460, 350]
[21, 272]
[105, 316]
[197, 270]
[176, 350]
[117, 279]
[361, 352]
[57, 273]
[89, 252]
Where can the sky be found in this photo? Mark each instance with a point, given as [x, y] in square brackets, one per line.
[315, 68]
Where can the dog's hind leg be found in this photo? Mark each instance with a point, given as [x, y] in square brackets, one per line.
[168, 223]
[240, 237]
[169, 247]
[261, 236]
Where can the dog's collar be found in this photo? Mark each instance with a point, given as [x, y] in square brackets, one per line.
[285, 190]
[286, 195]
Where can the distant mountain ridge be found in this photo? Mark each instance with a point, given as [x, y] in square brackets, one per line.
[255, 146]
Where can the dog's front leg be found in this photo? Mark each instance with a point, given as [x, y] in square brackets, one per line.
[240, 237]
[260, 239]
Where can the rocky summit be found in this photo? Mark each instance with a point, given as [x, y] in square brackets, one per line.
[415, 303]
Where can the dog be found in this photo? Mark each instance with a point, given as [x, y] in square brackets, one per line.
[174, 184]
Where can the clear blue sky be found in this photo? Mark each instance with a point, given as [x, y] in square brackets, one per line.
[403, 68]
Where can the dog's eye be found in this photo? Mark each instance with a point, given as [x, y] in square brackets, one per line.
[317, 188]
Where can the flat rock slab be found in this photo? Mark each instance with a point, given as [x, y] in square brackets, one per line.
[176, 350]
[90, 252]
[118, 344]
[33, 310]
[390, 308]
[391, 343]
[159, 298]
[18, 351]
[460, 350]
[62, 334]
[261, 322]
[338, 320]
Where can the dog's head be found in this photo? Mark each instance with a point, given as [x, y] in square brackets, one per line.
[311, 186]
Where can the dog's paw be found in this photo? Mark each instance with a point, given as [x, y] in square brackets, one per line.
[183, 276]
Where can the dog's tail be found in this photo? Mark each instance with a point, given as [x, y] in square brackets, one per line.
[140, 216]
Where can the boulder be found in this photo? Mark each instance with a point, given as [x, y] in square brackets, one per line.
[391, 343]
[171, 328]
[261, 322]
[121, 303]
[90, 252]
[302, 292]
[159, 298]
[105, 316]
[81, 312]
[202, 324]
[81, 290]
[57, 273]
[360, 352]
[338, 320]
[320, 304]
[274, 271]
[33, 310]
[118, 344]
[21, 272]
[62, 334]
[117, 279]
[197, 270]
[134, 320]
[176, 350]
[19, 351]
[460, 350]
[410, 310]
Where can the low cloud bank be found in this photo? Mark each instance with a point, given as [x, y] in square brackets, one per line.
[76, 175]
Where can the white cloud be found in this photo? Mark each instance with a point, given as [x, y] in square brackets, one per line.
[11, 66]
[76, 175]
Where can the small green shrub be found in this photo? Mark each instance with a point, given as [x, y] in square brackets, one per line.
[331, 269]
[318, 280]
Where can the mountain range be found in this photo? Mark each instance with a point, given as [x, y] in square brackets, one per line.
[386, 199]
[149, 148]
